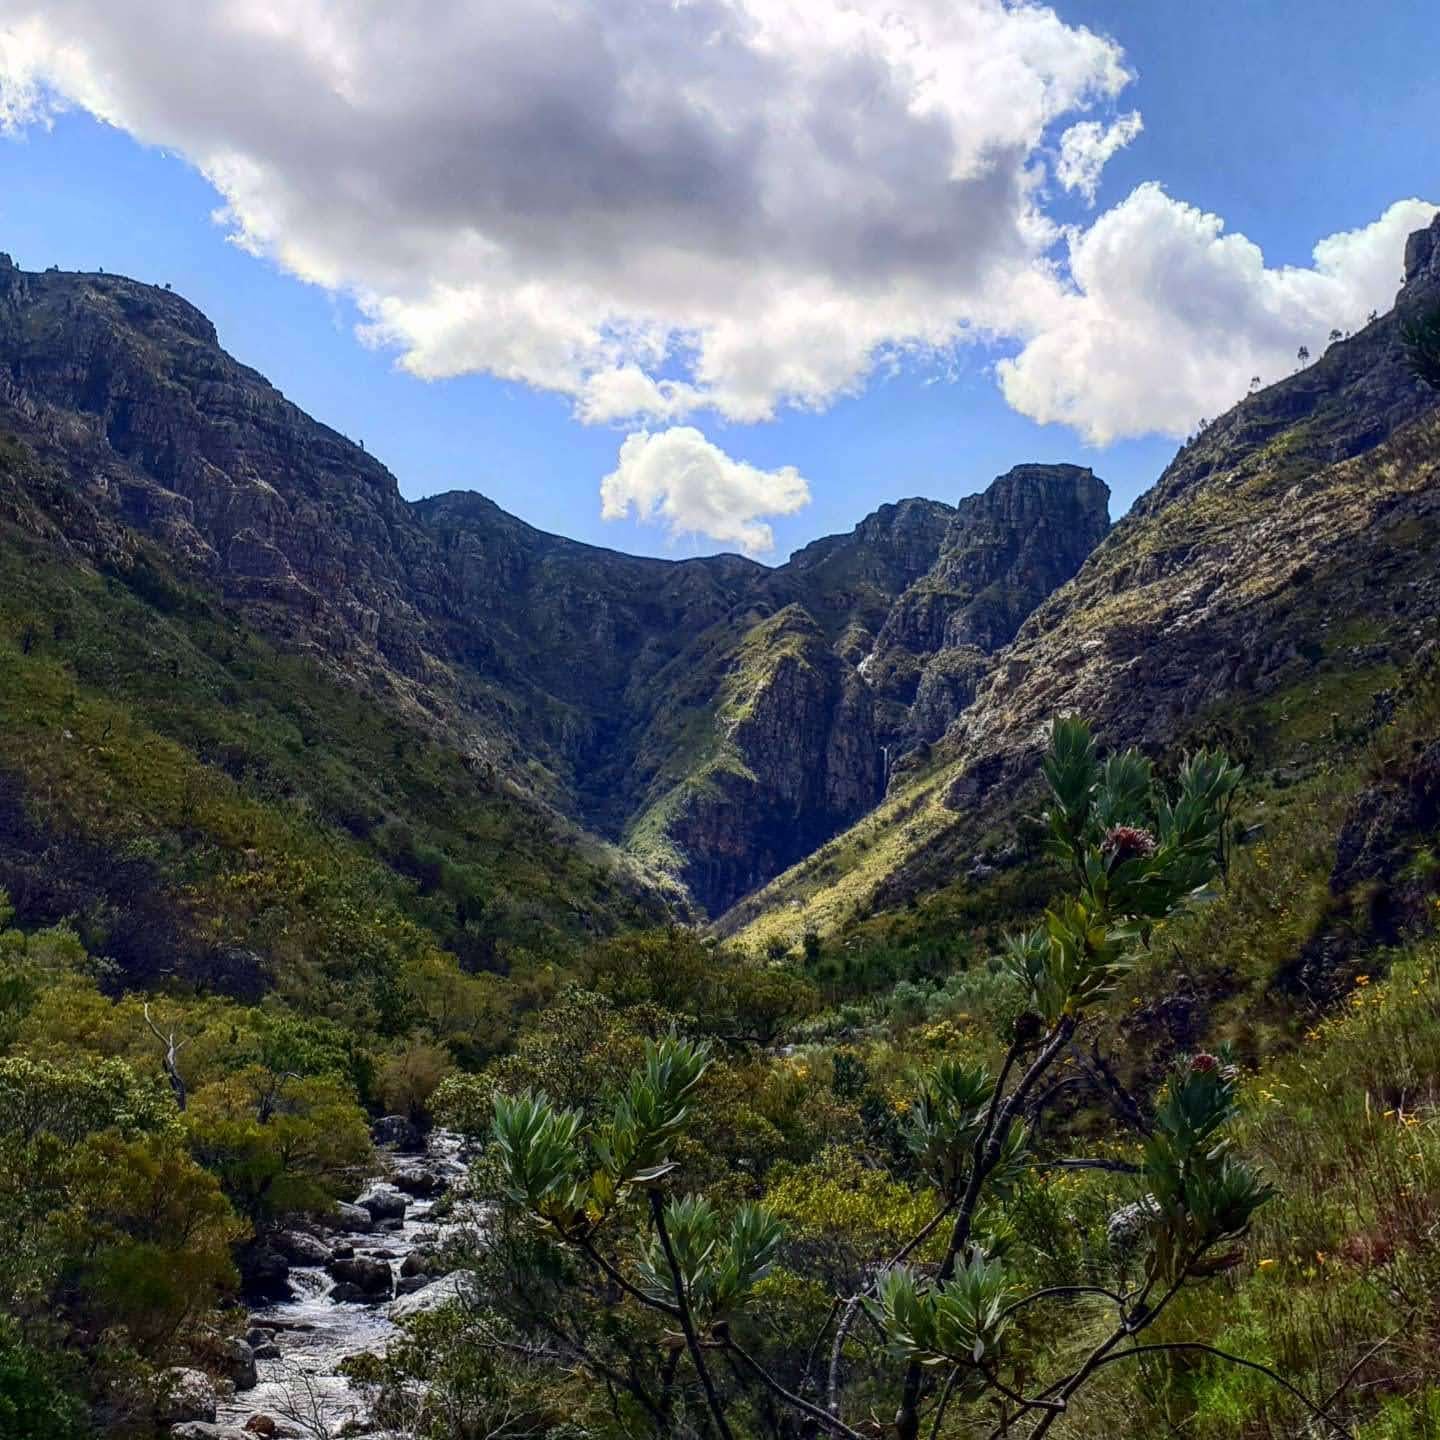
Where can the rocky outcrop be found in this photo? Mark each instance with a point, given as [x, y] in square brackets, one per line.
[795, 760]
[631, 695]
[1004, 552]
[1285, 552]
[184, 1394]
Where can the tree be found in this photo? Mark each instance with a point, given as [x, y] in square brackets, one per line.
[278, 1145]
[1303, 355]
[954, 1324]
[1420, 336]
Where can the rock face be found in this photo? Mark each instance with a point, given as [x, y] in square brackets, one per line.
[1288, 544]
[717, 717]
[1005, 551]
[185, 1395]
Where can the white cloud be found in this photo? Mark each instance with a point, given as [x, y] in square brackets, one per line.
[1088, 146]
[664, 207]
[751, 197]
[1165, 317]
[679, 478]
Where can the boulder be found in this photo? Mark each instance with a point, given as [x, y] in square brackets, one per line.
[399, 1132]
[383, 1202]
[209, 1430]
[265, 1425]
[342, 1252]
[458, 1287]
[409, 1284]
[301, 1249]
[236, 1361]
[417, 1180]
[184, 1394]
[420, 1262]
[268, 1351]
[264, 1272]
[258, 1335]
[353, 1217]
[371, 1277]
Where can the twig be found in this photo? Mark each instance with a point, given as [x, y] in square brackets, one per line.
[944, 1403]
[1317, 1411]
[1359, 1365]
[1053, 1290]
[821, 1417]
[717, 1411]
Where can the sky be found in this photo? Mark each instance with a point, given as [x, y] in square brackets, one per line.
[681, 276]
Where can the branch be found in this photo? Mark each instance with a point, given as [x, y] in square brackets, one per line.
[1317, 1411]
[1052, 1290]
[985, 1156]
[717, 1411]
[1066, 1388]
[1355, 1369]
[821, 1417]
[170, 1060]
[944, 1404]
[1117, 1167]
[635, 1293]
[814, 1349]
[1102, 1075]
[852, 1306]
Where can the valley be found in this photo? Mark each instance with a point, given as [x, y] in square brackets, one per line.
[860, 996]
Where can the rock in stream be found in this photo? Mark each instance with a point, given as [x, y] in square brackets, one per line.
[342, 1285]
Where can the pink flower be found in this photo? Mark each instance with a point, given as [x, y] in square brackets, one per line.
[1127, 842]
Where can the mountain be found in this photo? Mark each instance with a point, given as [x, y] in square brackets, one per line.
[1265, 592]
[714, 718]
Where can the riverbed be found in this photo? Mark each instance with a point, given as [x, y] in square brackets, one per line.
[302, 1388]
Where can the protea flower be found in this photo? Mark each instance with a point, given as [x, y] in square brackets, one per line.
[1127, 842]
[1203, 1063]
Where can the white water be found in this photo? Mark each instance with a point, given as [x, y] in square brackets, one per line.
[303, 1389]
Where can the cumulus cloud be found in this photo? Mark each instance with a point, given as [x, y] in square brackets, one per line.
[1165, 317]
[661, 208]
[755, 198]
[678, 478]
[1087, 147]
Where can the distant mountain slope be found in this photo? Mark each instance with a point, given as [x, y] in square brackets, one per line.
[207, 808]
[1281, 570]
[711, 715]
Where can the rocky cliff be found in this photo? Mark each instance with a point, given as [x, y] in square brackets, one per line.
[1279, 574]
[718, 717]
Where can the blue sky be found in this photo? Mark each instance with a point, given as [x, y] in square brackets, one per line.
[1290, 121]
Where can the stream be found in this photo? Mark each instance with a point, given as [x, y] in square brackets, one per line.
[301, 1388]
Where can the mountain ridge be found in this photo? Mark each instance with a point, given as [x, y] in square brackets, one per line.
[613, 688]
[1280, 561]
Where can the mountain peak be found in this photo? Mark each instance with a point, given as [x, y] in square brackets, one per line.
[1422, 254]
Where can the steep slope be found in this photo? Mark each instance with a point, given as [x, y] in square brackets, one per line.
[1006, 550]
[806, 730]
[710, 714]
[1279, 572]
[208, 809]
